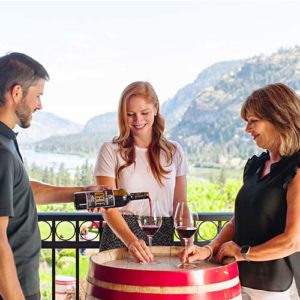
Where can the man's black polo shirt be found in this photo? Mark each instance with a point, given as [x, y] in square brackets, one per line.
[17, 202]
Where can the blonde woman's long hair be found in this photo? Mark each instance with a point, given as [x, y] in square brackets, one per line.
[159, 144]
[280, 105]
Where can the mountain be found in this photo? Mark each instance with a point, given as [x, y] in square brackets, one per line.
[174, 108]
[211, 129]
[44, 125]
[204, 115]
[97, 130]
[85, 144]
[107, 122]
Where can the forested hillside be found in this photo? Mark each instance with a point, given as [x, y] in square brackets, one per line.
[211, 129]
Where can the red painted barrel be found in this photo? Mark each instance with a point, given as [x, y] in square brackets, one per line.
[114, 276]
[62, 285]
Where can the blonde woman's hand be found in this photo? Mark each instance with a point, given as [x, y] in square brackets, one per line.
[140, 251]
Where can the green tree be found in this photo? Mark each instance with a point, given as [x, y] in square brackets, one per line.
[63, 176]
[86, 174]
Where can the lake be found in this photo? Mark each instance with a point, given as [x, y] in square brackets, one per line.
[46, 159]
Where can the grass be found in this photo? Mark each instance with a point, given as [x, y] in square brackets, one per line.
[213, 175]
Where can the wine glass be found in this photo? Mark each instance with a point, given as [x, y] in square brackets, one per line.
[150, 219]
[185, 219]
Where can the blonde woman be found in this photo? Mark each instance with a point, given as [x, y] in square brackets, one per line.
[141, 159]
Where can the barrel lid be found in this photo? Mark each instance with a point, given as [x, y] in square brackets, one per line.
[63, 279]
[100, 269]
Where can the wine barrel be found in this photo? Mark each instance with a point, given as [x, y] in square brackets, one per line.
[62, 285]
[114, 276]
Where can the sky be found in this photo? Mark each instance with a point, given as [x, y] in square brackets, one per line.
[94, 49]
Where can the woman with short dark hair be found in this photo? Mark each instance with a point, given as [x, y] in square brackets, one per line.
[264, 234]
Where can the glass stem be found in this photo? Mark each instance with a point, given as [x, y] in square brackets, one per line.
[185, 248]
[150, 241]
[185, 244]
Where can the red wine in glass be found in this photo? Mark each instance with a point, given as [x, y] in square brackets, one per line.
[150, 219]
[186, 232]
[149, 230]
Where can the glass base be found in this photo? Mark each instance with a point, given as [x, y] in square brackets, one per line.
[187, 266]
[154, 262]
[132, 259]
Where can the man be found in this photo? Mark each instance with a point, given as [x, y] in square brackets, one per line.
[22, 81]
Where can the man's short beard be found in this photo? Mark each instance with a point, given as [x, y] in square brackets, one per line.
[23, 113]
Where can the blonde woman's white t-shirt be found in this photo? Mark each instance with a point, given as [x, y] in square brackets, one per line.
[139, 178]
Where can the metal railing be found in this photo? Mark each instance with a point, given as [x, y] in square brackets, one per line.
[54, 240]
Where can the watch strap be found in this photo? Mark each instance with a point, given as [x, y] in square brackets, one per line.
[245, 252]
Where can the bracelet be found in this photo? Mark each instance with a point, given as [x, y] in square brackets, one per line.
[211, 252]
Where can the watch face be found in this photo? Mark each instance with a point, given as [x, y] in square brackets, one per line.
[245, 249]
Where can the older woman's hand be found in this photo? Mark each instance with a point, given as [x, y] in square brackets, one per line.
[140, 251]
[229, 249]
[193, 253]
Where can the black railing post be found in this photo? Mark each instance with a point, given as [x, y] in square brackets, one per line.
[77, 260]
[53, 261]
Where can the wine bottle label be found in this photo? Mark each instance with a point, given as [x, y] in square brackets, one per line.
[103, 198]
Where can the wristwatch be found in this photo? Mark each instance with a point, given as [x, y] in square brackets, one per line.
[244, 252]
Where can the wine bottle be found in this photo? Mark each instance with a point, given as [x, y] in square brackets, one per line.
[105, 198]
